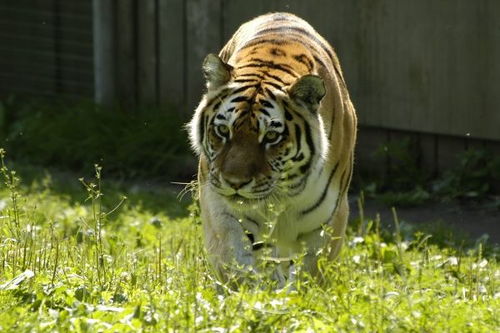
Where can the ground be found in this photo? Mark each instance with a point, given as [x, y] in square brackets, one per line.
[467, 219]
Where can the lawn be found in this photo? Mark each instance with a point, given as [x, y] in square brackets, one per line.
[76, 255]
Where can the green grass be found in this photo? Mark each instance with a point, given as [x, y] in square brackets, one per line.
[76, 256]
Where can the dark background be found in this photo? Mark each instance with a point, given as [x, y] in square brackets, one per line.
[424, 77]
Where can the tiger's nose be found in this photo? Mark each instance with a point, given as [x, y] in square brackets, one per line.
[236, 183]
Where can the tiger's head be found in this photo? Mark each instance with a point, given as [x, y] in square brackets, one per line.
[259, 137]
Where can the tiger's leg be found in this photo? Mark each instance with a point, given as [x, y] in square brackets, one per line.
[311, 245]
[319, 240]
[338, 225]
[229, 249]
[268, 262]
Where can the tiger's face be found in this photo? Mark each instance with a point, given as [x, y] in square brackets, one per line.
[247, 141]
[259, 141]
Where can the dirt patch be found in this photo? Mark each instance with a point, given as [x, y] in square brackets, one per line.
[462, 219]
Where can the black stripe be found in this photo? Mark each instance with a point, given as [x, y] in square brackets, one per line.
[264, 111]
[306, 166]
[272, 41]
[252, 220]
[322, 225]
[261, 188]
[275, 29]
[303, 59]
[266, 104]
[272, 65]
[244, 80]
[239, 99]
[299, 157]
[339, 74]
[318, 60]
[270, 93]
[298, 138]
[275, 168]
[277, 78]
[293, 176]
[332, 123]
[285, 132]
[201, 129]
[301, 31]
[283, 17]
[237, 124]
[230, 215]
[252, 75]
[275, 41]
[330, 217]
[277, 52]
[240, 89]
[323, 194]
[275, 85]
[342, 192]
[222, 95]
[309, 142]
[250, 236]
[346, 185]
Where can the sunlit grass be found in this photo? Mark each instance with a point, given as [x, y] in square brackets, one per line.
[68, 263]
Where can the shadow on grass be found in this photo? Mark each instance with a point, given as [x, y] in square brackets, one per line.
[456, 237]
[153, 197]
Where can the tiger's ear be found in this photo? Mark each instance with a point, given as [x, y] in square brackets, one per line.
[216, 71]
[308, 90]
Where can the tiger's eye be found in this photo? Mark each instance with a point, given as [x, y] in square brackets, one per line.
[223, 129]
[271, 136]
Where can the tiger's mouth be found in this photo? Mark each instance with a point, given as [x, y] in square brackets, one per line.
[242, 203]
[243, 199]
[248, 198]
[237, 197]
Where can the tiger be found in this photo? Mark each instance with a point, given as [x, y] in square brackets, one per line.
[275, 133]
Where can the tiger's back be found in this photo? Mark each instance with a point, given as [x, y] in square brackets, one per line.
[275, 129]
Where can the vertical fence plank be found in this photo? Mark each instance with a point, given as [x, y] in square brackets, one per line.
[125, 54]
[488, 119]
[104, 79]
[146, 52]
[74, 47]
[171, 55]
[27, 57]
[236, 12]
[428, 153]
[203, 37]
[449, 149]
[369, 143]
[493, 148]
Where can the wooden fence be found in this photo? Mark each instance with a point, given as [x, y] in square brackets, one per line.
[46, 48]
[427, 68]
[422, 70]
